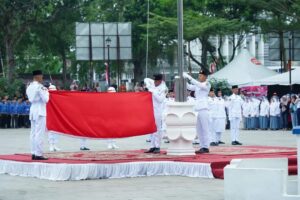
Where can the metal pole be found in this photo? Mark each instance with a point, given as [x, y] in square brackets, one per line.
[90, 57]
[290, 61]
[118, 57]
[108, 68]
[180, 84]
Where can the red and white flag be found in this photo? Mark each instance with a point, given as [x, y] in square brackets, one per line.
[100, 115]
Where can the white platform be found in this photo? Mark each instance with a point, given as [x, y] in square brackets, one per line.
[259, 179]
[66, 172]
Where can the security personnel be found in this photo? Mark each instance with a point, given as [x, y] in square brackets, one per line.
[201, 89]
[157, 88]
[38, 95]
[235, 103]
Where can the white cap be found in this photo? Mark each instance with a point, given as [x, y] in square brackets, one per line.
[52, 87]
[111, 89]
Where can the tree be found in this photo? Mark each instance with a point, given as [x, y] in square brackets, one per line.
[16, 17]
[274, 20]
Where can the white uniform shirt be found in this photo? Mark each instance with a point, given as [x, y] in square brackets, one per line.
[264, 108]
[38, 95]
[254, 108]
[298, 103]
[211, 106]
[220, 108]
[274, 108]
[235, 103]
[246, 108]
[159, 99]
[201, 93]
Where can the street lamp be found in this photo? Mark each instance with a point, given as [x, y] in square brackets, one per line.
[108, 41]
[290, 61]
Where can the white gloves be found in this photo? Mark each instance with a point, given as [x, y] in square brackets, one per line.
[185, 75]
[149, 83]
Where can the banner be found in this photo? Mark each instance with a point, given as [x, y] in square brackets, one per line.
[100, 115]
[257, 91]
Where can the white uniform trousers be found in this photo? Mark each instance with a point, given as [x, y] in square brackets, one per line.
[157, 136]
[38, 129]
[235, 128]
[52, 138]
[219, 128]
[202, 128]
[82, 142]
[212, 135]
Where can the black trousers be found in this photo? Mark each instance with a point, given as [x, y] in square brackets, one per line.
[21, 121]
[15, 121]
[6, 121]
[298, 116]
[26, 121]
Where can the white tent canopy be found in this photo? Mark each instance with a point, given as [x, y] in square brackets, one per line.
[242, 70]
[280, 79]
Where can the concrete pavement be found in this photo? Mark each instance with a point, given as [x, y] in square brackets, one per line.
[144, 188]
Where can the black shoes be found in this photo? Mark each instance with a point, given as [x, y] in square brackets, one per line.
[34, 157]
[156, 151]
[153, 150]
[195, 142]
[84, 149]
[220, 142]
[150, 150]
[236, 143]
[214, 144]
[202, 151]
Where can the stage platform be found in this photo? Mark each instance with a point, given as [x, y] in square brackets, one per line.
[64, 166]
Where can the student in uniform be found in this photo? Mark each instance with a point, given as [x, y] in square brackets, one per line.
[201, 88]
[20, 109]
[26, 111]
[274, 114]
[13, 108]
[235, 115]
[220, 117]
[38, 95]
[1, 114]
[246, 113]
[264, 114]
[111, 143]
[157, 89]
[293, 110]
[52, 137]
[212, 112]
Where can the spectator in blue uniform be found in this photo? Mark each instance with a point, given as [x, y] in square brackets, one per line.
[26, 110]
[1, 114]
[13, 113]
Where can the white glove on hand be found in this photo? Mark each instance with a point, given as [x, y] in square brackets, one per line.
[185, 75]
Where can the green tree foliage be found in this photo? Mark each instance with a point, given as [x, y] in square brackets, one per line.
[41, 33]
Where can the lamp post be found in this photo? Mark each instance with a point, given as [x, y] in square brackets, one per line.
[108, 41]
[290, 61]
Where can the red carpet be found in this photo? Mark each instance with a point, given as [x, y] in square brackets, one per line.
[219, 157]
